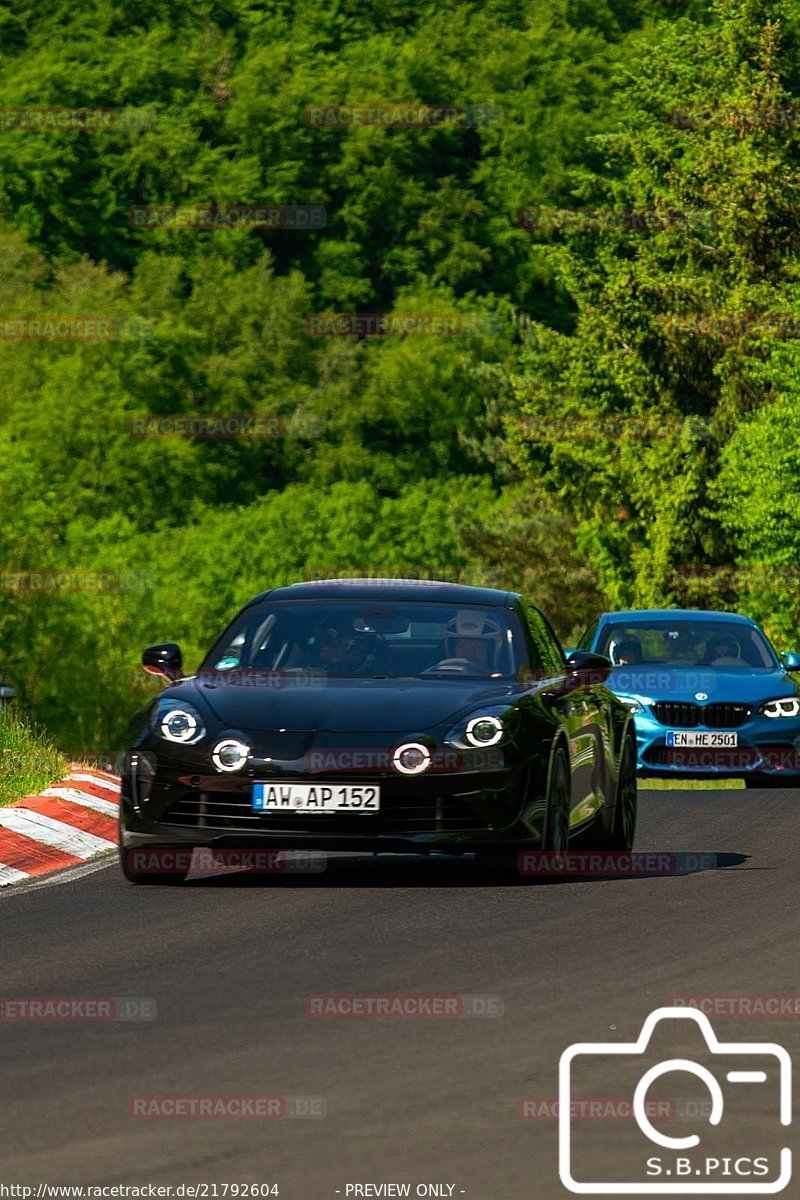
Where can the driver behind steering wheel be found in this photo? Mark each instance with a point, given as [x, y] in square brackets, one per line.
[474, 638]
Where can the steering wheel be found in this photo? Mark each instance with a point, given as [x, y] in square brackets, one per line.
[458, 666]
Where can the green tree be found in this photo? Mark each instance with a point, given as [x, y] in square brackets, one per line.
[722, 194]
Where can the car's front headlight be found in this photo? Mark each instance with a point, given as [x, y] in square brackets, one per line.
[178, 722]
[633, 704]
[788, 707]
[483, 729]
[230, 755]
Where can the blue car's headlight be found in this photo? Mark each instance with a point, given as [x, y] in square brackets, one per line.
[633, 704]
[178, 722]
[485, 728]
[788, 707]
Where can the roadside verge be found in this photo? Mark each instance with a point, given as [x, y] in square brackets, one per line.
[70, 822]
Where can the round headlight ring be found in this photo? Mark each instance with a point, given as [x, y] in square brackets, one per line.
[412, 758]
[230, 755]
[492, 731]
[179, 725]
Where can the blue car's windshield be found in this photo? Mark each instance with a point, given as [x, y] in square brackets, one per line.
[373, 639]
[681, 643]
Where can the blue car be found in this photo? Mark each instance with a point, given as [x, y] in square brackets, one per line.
[709, 694]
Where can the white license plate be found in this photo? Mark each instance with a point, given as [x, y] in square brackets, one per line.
[677, 737]
[316, 797]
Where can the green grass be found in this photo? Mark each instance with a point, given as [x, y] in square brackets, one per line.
[698, 785]
[28, 762]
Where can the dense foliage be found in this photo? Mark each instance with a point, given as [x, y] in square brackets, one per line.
[592, 432]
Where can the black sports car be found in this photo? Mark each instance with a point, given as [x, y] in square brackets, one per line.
[396, 716]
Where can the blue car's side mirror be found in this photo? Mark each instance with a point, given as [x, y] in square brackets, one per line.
[791, 660]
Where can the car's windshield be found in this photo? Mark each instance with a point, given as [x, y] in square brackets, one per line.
[685, 643]
[373, 639]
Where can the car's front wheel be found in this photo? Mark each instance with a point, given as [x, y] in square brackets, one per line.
[556, 833]
[623, 832]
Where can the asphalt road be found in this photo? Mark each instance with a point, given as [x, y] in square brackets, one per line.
[424, 1101]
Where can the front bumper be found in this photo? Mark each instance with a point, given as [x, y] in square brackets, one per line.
[167, 802]
[766, 748]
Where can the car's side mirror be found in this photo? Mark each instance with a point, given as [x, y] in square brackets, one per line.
[164, 659]
[791, 660]
[569, 653]
[589, 668]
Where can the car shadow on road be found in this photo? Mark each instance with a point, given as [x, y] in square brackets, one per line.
[438, 871]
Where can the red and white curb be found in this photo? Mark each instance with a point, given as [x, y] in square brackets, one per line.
[68, 823]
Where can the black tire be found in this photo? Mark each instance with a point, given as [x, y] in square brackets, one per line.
[556, 832]
[133, 875]
[623, 834]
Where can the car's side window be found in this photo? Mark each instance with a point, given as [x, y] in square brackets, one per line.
[588, 637]
[545, 643]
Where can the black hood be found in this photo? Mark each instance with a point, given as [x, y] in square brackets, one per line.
[345, 705]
